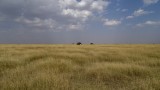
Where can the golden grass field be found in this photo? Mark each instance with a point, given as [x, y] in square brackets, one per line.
[85, 67]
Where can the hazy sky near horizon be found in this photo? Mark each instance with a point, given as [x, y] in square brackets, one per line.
[71, 21]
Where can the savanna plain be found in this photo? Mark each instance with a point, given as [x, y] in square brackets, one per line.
[83, 67]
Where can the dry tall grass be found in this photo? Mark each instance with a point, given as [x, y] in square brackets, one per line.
[86, 67]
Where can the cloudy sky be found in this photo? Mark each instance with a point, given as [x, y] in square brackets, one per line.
[71, 21]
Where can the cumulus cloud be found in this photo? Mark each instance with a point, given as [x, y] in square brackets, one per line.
[112, 22]
[149, 23]
[129, 17]
[75, 26]
[122, 10]
[82, 14]
[52, 14]
[139, 12]
[148, 2]
[99, 5]
[37, 22]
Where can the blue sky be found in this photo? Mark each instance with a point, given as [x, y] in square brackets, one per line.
[86, 21]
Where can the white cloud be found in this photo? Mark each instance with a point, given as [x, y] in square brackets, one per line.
[139, 12]
[52, 14]
[37, 22]
[129, 17]
[99, 5]
[75, 27]
[152, 23]
[73, 3]
[49, 24]
[80, 11]
[83, 7]
[148, 2]
[108, 22]
[82, 4]
[83, 14]
[124, 10]
[149, 23]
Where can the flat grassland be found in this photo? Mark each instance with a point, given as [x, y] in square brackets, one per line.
[84, 67]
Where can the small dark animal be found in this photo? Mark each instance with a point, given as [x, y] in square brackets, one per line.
[91, 43]
[79, 43]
